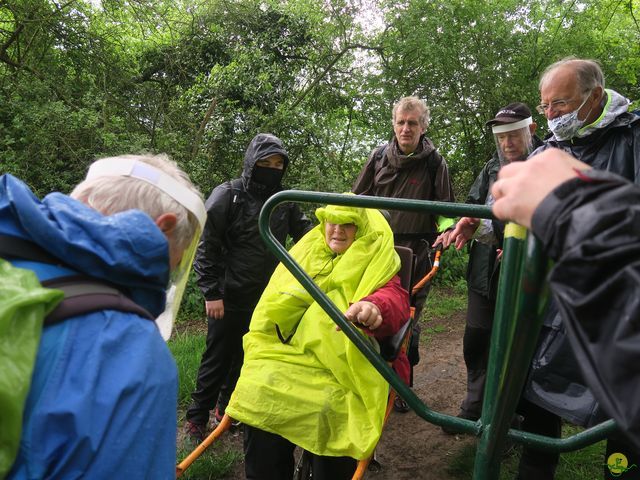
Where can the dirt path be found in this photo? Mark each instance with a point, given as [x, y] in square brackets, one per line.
[411, 448]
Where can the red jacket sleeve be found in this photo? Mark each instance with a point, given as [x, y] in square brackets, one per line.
[393, 302]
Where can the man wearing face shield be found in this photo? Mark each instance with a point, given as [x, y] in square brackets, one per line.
[102, 397]
[514, 134]
[233, 267]
[592, 124]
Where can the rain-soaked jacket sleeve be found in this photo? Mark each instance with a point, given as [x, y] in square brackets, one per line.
[209, 264]
[591, 227]
[299, 223]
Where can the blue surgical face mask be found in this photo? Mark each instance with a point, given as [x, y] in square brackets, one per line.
[566, 126]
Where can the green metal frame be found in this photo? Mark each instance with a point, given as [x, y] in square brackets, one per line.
[519, 306]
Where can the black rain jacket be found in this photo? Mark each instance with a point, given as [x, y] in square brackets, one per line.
[592, 230]
[232, 262]
[555, 382]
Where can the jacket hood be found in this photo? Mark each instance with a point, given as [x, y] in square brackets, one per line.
[262, 146]
[126, 249]
[399, 160]
[615, 106]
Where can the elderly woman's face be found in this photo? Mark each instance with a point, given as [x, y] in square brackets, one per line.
[339, 237]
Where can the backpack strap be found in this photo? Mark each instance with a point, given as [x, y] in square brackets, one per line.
[15, 247]
[378, 158]
[433, 164]
[84, 295]
[234, 201]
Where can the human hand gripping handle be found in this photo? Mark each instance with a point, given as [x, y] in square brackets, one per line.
[521, 186]
[460, 235]
[364, 313]
[214, 308]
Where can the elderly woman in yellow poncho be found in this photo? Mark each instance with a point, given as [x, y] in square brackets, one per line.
[303, 382]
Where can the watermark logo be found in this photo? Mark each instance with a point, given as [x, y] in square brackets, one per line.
[618, 464]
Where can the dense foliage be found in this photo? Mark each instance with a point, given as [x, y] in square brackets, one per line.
[197, 79]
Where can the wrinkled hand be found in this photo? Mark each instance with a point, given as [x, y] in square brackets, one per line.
[214, 308]
[444, 238]
[521, 186]
[364, 313]
[460, 235]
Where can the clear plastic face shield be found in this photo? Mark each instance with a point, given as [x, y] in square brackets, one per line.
[513, 141]
[185, 197]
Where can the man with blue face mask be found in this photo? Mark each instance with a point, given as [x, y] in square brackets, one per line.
[592, 124]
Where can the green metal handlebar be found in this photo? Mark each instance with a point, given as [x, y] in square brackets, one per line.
[519, 309]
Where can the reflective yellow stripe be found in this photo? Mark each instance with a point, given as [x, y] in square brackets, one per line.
[515, 230]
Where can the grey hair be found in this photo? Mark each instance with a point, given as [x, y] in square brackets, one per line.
[113, 194]
[409, 104]
[588, 73]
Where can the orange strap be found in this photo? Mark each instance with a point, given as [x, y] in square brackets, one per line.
[432, 273]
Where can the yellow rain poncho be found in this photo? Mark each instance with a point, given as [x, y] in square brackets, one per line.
[318, 391]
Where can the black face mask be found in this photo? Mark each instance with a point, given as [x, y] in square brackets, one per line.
[269, 177]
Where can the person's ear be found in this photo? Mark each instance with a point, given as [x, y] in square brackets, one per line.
[167, 223]
[533, 126]
[597, 94]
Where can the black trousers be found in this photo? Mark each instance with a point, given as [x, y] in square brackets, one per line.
[220, 365]
[268, 456]
[475, 348]
[422, 251]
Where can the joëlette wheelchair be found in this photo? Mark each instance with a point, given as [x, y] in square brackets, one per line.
[390, 349]
[518, 318]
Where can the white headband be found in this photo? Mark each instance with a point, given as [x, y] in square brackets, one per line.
[129, 167]
[507, 127]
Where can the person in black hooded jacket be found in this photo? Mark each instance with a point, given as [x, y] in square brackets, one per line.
[233, 266]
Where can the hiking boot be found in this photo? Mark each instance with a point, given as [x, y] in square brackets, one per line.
[217, 418]
[195, 432]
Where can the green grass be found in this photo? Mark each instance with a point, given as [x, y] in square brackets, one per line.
[187, 350]
[444, 301]
[211, 465]
[215, 462]
[585, 464]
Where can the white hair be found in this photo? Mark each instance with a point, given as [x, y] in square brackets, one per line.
[117, 193]
[588, 73]
[410, 104]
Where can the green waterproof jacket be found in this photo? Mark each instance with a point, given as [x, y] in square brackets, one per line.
[318, 390]
[23, 306]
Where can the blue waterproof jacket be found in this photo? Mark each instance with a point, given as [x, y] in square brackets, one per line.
[102, 402]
